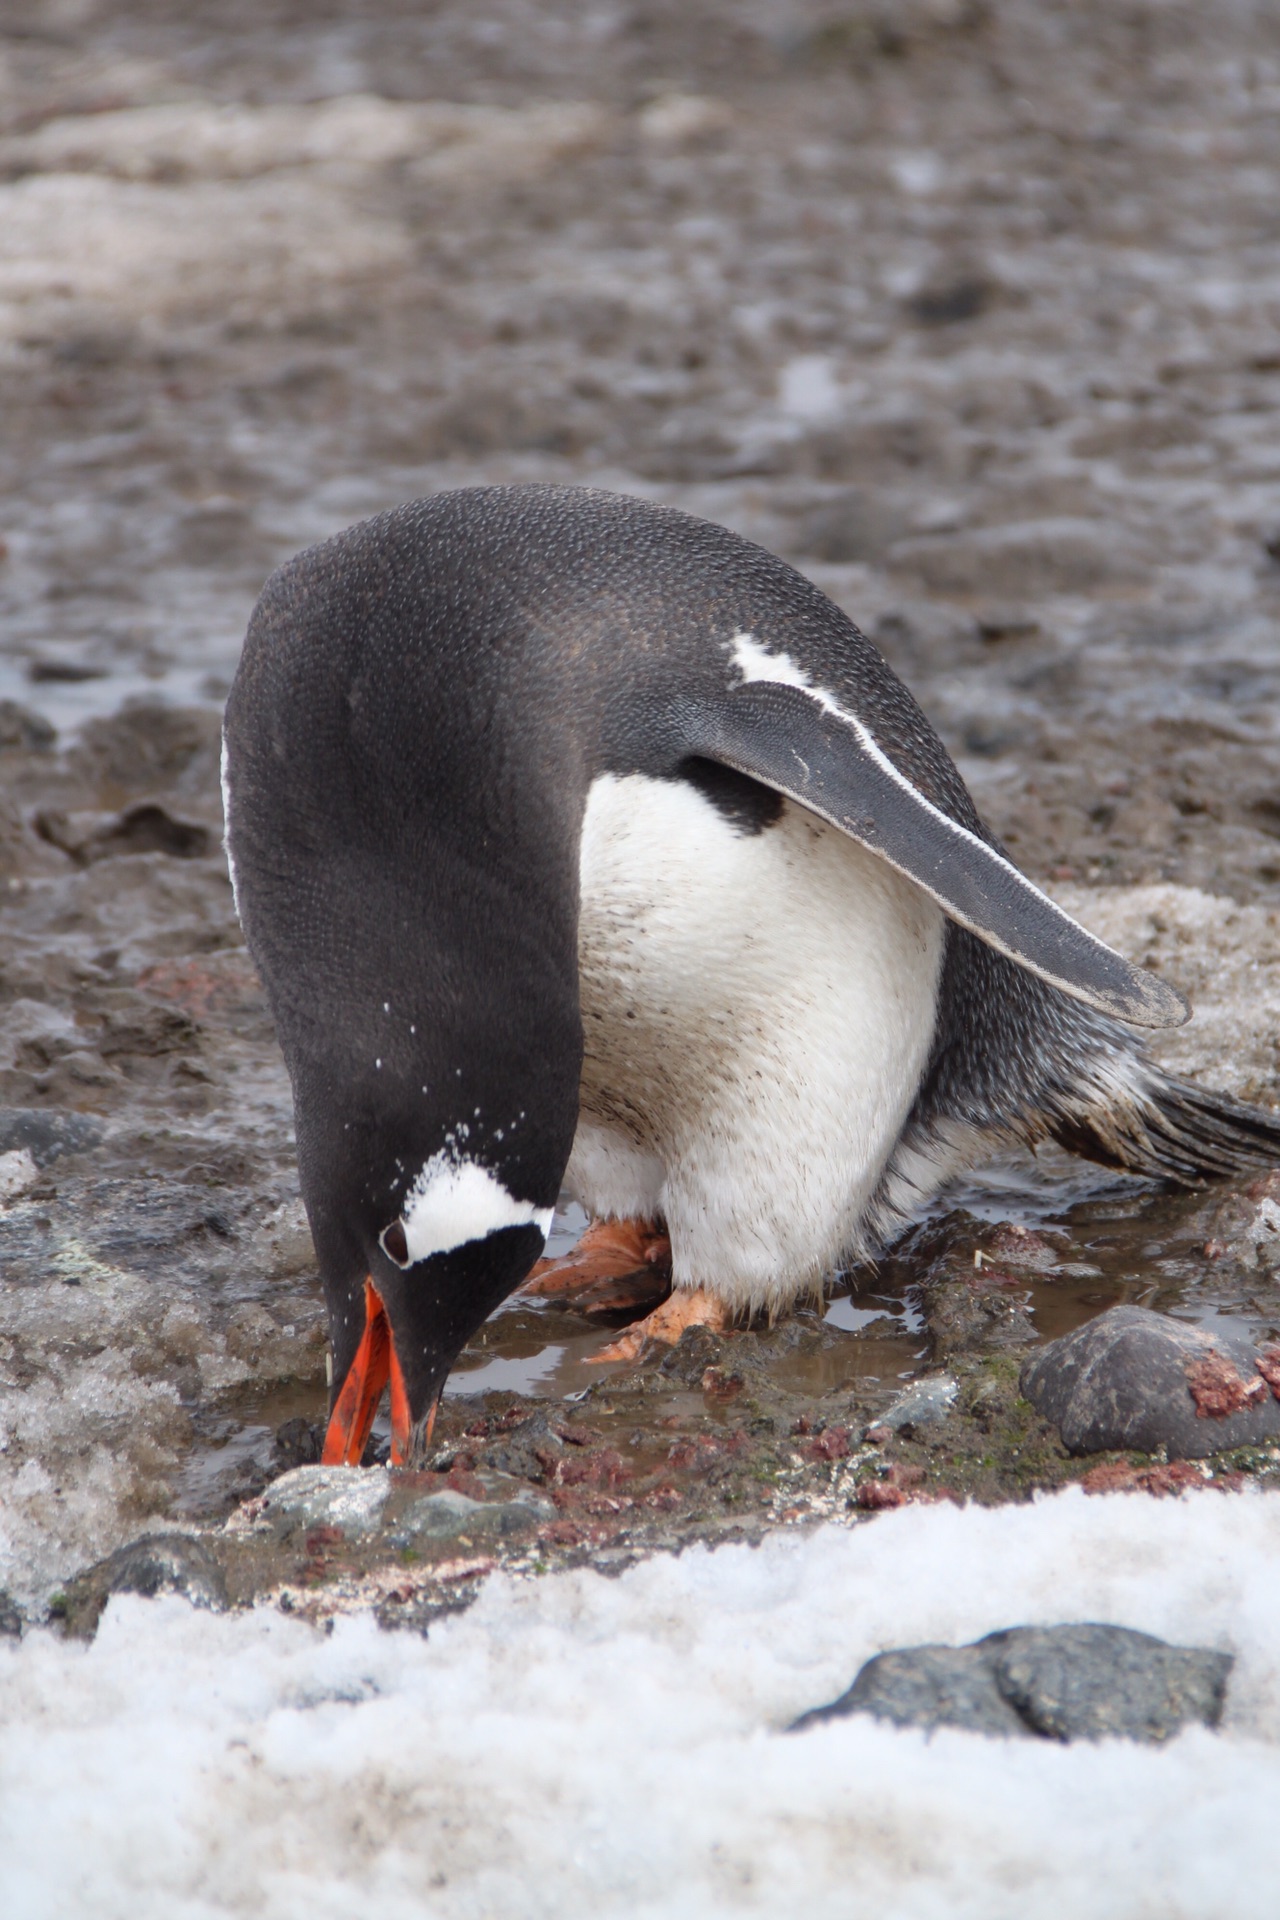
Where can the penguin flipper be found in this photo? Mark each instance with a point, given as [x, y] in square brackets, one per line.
[803, 746]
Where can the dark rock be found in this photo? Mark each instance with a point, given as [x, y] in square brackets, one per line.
[1138, 1380]
[968, 1310]
[148, 747]
[145, 828]
[926, 1687]
[1006, 623]
[298, 1443]
[1102, 1682]
[158, 1563]
[168, 1563]
[47, 1133]
[1056, 1683]
[10, 1618]
[448, 1517]
[24, 729]
[528, 1451]
[58, 670]
[963, 298]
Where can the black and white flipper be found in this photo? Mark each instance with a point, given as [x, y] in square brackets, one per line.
[780, 729]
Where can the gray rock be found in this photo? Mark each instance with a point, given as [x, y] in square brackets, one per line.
[23, 728]
[1134, 1379]
[10, 1618]
[926, 1687]
[165, 1563]
[525, 1450]
[1065, 1683]
[351, 1498]
[47, 1133]
[453, 1516]
[921, 1405]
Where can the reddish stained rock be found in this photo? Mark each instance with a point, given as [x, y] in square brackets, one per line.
[567, 1533]
[875, 1495]
[1021, 1247]
[1138, 1382]
[604, 1504]
[719, 1385]
[893, 1490]
[876, 1436]
[461, 1478]
[1218, 1389]
[1268, 1365]
[987, 1279]
[466, 1569]
[1117, 1476]
[834, 1444]
[665, 1498]
[592, 1469]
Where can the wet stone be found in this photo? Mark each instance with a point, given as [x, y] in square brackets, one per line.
[1135, 1379]
[1245, 1227]
[158, 1563]
[349, 1498]
[1087, 1682]
[976, 1310]
[526, 1450]
[47, 1133]
[452, 1516]
[298, 1443]
[923, 1404]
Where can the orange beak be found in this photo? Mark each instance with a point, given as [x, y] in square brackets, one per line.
[375, 1364]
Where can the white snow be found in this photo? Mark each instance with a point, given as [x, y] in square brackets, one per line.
[577, 1745]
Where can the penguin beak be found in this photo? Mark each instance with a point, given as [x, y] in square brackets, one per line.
[416, 1322]
[375, 1366]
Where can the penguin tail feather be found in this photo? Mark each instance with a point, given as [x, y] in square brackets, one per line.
[1169, 1129]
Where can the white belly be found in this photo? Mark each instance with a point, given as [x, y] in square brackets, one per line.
[758, 1011]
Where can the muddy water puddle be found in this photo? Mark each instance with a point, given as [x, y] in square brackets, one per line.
[1062, 1241]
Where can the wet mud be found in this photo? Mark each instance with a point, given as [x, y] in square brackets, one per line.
[968, 311]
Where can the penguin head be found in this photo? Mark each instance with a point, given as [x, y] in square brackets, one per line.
[430, 1172]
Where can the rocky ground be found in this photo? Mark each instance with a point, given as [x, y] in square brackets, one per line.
[970, 311]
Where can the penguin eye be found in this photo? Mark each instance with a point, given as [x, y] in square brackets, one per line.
[394, 1244]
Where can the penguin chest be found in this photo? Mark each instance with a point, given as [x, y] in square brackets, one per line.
[758, 1006]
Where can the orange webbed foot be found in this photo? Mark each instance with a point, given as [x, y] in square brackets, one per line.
[686, 1307]
[617, 1266]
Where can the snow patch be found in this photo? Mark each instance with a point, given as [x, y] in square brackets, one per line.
[579, 1745]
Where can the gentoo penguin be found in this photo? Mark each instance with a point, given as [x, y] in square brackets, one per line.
[583, 845]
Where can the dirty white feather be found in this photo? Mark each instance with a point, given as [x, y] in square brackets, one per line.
[758, 1010]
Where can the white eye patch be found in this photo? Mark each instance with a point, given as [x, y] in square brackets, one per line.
[452, 1202]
